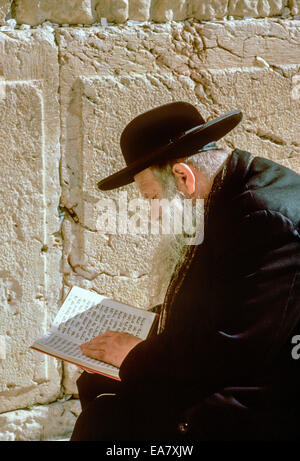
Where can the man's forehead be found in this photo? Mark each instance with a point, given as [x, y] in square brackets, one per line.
[148, 184]
[144, 177]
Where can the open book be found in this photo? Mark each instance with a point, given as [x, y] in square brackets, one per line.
[84, 315]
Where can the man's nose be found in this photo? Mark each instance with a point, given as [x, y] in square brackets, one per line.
[149, 196]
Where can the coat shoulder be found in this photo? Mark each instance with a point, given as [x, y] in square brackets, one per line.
[266, 186]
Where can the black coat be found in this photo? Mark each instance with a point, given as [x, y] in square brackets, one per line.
[222, 369]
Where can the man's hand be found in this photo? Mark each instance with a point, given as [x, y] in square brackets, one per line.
[110, 347]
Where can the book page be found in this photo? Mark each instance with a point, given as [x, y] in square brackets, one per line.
[85, 315]
[78, 300]
[70, 351]
[101, 317]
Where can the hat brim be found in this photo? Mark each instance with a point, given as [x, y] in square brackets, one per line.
[184, 146]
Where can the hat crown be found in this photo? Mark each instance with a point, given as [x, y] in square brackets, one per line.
[155, 128]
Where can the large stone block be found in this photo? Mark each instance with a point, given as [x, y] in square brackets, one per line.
[30, 249]
[35, 12]
[71, 374]
[89, 11]
[269, 127]
[256, 8]
[139, 10]
[116, 11]
[206, 10]
[168, 10]
[41, 422]
[243, 44]
[294, 6]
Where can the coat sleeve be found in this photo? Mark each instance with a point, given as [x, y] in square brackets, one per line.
[253, 306]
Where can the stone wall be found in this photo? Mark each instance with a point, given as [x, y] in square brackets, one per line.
[66, 93]
[35, 12]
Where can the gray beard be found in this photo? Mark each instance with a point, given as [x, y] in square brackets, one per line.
[171, 250]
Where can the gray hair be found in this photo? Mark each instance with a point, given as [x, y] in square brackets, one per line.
[208, 162]
[165, 176]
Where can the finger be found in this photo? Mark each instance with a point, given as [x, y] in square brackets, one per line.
[109, 334]
[101, 338]
[92, 348]
[94, 353]
[98, 340]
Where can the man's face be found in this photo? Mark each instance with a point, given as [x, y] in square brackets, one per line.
[172, 247]
[148, 184]
[150, 188]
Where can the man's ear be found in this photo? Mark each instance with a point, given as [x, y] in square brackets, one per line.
[185, 178]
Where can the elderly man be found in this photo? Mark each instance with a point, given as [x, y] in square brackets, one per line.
[220, 366]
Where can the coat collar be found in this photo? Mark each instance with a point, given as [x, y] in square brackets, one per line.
[234, 172]
[227, 183]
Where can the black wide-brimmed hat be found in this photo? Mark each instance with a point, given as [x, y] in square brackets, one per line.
[171, 131]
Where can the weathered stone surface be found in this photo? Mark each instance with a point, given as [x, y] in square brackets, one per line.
[294, 6]
[139, 10]
[292, 163]
[71, 374]
[238, 44]
[89, 11]
[256, 8]
[29, 252]
[41, 422]
[269, 127]
[206, 10]
[116, 11]
[5, 6]
[35, 12]
[168, 10]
